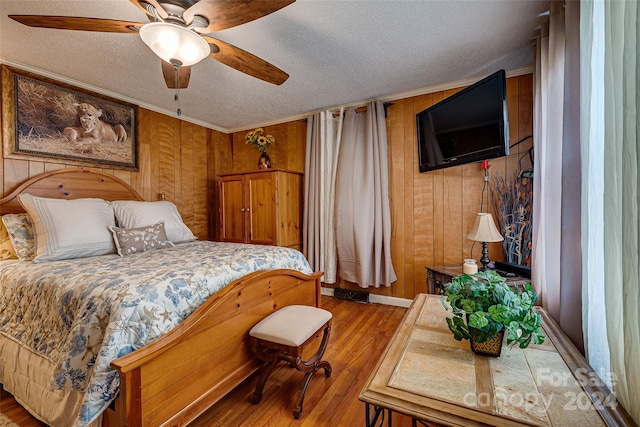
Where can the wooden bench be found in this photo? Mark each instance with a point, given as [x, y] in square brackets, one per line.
[283, 335]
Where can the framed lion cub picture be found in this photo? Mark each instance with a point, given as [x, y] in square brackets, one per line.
[60, 123]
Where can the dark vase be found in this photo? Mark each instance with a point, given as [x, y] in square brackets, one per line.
[264, 162]
[492, 347]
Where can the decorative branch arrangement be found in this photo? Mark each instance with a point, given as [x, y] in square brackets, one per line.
[512, 203]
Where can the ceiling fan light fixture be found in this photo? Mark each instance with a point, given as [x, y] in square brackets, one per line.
[174, 44]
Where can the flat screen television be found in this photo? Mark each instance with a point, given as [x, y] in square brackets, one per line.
[468, 126]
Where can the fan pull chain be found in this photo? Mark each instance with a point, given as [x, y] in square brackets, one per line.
[176, 97]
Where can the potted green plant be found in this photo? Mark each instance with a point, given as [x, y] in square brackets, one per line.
[484, 308]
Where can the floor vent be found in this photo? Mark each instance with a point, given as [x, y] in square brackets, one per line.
[351, 295]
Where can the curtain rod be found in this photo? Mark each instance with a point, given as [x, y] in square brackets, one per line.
[362, 109]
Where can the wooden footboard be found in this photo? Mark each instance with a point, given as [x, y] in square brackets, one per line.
[176, 378]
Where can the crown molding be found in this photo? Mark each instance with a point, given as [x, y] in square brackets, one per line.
[386, 98]
[111, 94]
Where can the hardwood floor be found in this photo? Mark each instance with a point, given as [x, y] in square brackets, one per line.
[359, 335]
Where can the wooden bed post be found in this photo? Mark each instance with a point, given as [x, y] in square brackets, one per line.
[125, 410]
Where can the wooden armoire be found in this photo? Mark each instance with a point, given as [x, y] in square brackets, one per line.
[262, 207]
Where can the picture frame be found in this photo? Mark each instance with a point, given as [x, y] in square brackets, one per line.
[47, 120]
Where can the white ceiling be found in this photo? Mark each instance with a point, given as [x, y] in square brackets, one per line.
[337, 52]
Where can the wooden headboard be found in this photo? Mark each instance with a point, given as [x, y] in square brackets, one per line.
[72, 183]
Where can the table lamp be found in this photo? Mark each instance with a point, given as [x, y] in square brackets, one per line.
[484, 230]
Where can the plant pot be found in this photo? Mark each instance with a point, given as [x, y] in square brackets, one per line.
[492, 347]
[264, 162]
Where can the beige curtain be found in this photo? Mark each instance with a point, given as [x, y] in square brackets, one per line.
[363, 215]
[557, 264]
[318, 229]
[548, 128]
[610, 65]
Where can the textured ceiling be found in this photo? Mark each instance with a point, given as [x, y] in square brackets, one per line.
[337, 52]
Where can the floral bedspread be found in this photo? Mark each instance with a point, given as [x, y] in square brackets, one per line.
[81, 314]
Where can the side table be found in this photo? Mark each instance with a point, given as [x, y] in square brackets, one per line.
[440, 275]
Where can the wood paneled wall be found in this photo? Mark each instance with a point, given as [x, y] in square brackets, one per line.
[172, 160]
[230, 153]
[432, 212]
[233, 154]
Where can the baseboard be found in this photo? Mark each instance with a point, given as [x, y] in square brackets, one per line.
[377, 299]
[395, 301]
[326, 291]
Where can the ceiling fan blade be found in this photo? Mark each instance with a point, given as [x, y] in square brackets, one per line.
[224, 14]
[171, 77]
[245, 62]
[161, 12]
[78, 23]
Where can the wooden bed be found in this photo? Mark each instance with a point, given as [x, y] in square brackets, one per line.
[176, 378]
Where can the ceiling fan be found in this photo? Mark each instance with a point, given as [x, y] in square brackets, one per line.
[177, 33]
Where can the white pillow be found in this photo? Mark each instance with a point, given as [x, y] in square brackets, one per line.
[70, 228]
[132, 214]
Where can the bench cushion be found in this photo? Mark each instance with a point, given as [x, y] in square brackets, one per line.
[291, 325]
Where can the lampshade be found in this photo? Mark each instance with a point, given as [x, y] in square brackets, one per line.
[484, 229]
[173, 43]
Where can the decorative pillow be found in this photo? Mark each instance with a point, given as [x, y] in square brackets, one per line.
[20, 230]
[68, 229]
[132, 214]
[6, 247]
[131, 241]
